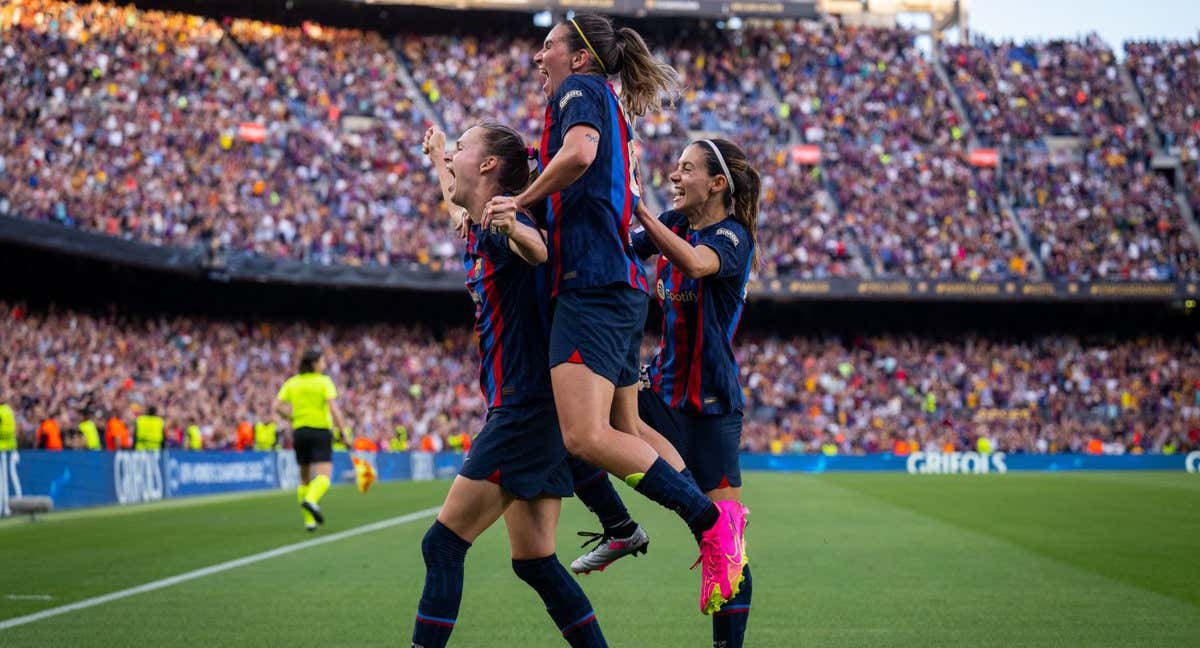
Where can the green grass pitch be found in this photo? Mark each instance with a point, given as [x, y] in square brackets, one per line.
[1056, 560]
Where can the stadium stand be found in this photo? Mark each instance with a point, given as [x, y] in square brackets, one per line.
[302, 142]
[1096, 210]
[1168, 78]
[1047, 394]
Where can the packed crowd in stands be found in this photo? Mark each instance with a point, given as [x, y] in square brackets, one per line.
[945, 218]
[69, 366]
[1016, 94]
[361, 132]
[303, 142]
[803, 394]
[1168, 78]
[135, 124]
[1092, 207]
[1081, 227]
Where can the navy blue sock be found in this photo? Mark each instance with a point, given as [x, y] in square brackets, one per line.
[729, 623]
[444, 554]
[594, 489]
[668, 487]
[687, 474]
[564, 599]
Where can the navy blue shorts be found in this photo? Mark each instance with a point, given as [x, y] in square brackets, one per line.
[520, 448]
[600, 328]
[709, 444]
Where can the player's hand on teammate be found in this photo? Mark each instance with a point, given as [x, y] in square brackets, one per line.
[461, 226]
[501, 214]
[643, 214]
[434, 144]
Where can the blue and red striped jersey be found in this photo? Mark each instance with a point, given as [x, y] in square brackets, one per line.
[588, 222]
[695, 368]
[511, 319]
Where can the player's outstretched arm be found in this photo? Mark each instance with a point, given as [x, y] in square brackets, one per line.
[569, 164]
[694, 261]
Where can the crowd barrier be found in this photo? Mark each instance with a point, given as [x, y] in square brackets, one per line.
[936, 463]
[79, 479]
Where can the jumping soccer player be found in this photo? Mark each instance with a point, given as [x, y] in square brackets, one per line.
[599, 290]
[517, 465]
[308, 398]
[708, 245]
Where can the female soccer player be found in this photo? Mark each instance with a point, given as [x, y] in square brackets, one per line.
[589, 191]
[308, 399]
[708, 245]
[517, 465]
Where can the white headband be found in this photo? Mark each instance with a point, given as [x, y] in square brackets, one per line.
[721, 159]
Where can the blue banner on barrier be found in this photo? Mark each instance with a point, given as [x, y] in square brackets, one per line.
[77, 479]
[203, 473]
[938, 463]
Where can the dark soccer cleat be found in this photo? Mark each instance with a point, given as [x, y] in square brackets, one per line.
[608, 550]
[314, 510]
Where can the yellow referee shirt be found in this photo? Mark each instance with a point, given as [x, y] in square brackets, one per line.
[309, 395]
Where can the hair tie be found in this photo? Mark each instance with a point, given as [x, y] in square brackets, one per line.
[603, 68]
[531, 153]
[721, 159]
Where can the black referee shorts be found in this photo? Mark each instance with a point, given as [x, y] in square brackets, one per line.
[313, 445]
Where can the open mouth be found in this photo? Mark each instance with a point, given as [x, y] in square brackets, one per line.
[545, 73]
[677, 194]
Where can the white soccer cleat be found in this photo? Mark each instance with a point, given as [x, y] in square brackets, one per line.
[609, 550]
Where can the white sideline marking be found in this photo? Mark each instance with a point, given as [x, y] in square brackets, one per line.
[29, 597]
[216, 569]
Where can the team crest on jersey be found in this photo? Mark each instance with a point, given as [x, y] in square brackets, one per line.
[729, 235]
[478, 267]
[571, 94]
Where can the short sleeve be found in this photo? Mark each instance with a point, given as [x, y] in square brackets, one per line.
[578, 103]
[283, 391]
[732, 244]
[330, 390]
[524, 219]
[538, 213]
[644, 247]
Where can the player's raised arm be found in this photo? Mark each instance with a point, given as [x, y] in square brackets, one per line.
[568, 165]
[434, 145]
[695, 261]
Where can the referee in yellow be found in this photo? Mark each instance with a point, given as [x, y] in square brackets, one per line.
[308, 398]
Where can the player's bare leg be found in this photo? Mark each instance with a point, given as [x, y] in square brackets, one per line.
[531, 525]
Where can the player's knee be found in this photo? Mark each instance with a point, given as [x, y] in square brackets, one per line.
[584, 440]
[442, 548]
[532, 569]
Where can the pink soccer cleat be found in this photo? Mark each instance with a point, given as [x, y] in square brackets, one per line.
[722, 556]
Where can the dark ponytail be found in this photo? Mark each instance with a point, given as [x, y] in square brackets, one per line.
[308, 360]
[645, 82]
[509, 147]
[742, 202]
